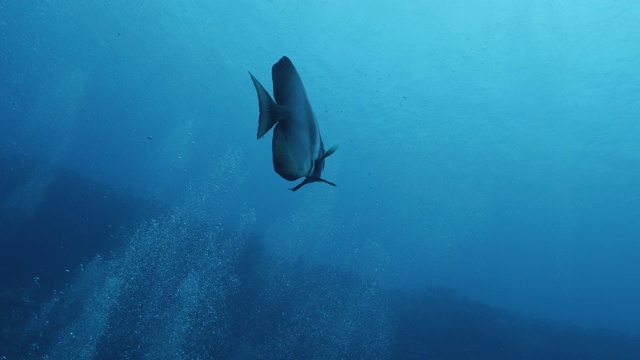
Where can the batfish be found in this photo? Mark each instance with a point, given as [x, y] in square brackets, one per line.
[297, 145]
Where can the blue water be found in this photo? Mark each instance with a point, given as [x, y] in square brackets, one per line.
[490, 149]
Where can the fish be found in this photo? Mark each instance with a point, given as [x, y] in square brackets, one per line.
[297, 147]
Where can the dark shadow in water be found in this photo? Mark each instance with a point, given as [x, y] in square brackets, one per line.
[440, 324]
[44, 248]
[276, 309]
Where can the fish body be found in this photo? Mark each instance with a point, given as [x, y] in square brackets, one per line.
[297, 146]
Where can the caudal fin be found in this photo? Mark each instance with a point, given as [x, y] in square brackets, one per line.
[268, 109]
[326, 182]
[307, 181]
[303, 183]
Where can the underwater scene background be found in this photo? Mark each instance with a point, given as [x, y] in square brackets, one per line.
[487, 202]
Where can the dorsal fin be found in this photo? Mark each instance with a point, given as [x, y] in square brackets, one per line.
[268, 108]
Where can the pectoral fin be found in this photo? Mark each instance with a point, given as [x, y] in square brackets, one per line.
[330, 151]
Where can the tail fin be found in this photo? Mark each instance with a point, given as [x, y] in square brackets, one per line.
[326, 182]
[307, 181]
[303, 183]
[268, 109]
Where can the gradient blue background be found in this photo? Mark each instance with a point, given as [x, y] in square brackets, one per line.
[491, 147]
